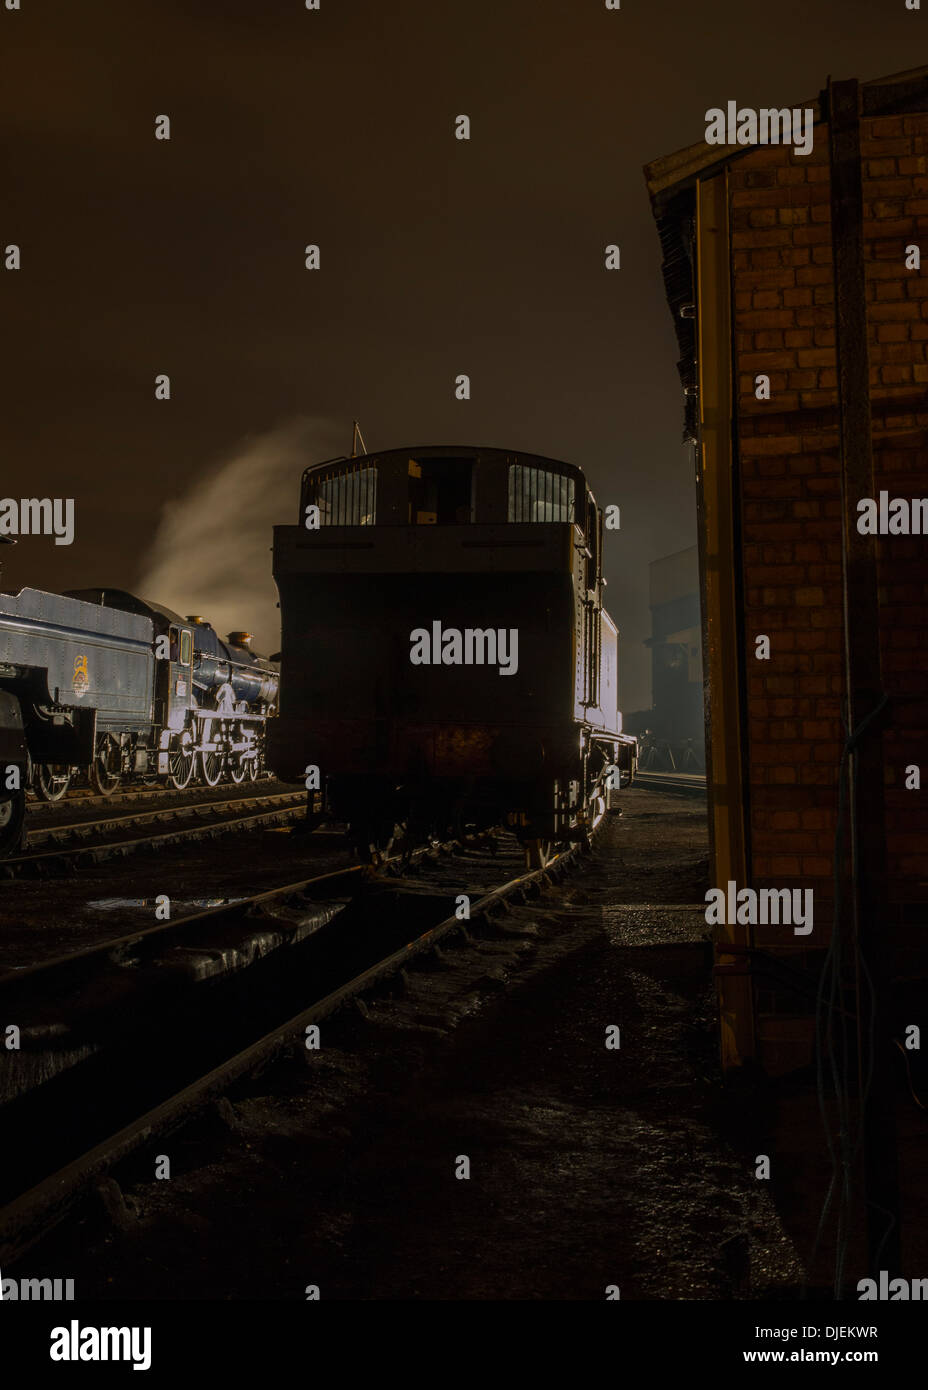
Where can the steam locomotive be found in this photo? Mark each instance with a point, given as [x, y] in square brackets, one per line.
[445, 653]
[98, 679]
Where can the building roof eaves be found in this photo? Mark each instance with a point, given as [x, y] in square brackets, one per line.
[903, 91]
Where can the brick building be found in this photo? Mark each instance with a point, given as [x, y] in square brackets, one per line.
[810, 271]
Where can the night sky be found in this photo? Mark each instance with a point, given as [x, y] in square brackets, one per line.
[438, 257]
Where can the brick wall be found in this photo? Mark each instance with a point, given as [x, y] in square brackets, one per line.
[787, 450]
[895, 154]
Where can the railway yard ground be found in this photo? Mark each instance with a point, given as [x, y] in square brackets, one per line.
[590, 1167]
[61, 905]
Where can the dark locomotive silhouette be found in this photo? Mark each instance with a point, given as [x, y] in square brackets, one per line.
[401, 682]
[128, 691]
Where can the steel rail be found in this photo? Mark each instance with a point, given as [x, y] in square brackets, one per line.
[105, 849]
[35, 1212]
[40, 834]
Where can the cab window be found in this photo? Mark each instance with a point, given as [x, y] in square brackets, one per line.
[538, 494]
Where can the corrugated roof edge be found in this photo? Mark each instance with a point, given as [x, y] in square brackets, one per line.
[903, 91]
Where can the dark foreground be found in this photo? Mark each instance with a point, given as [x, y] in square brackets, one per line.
[589, 1166]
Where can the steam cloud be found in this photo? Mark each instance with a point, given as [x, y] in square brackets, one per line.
[212, 551]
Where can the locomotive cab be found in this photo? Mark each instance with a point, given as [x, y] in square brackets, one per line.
[173, 678]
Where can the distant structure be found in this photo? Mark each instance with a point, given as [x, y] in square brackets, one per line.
[671, 732]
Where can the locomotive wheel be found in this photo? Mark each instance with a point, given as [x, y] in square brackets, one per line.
[256, 765]
[52, 781]
[237, 763]
[12, 820]
[211, 765]
[182, 762]
[106, 768]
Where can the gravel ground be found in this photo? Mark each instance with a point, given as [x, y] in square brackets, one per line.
[589, 1167]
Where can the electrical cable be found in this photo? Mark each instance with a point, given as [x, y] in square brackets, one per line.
[842, 1154]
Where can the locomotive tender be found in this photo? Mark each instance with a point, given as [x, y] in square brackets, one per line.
[446, 658]
[102, 680]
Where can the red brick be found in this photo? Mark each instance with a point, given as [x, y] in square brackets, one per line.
[877, 127]
[886, 239]
[888, 188]
[895, 312]
[818, 730]
[783, 865]
[770, 279]
[785, 776]
[811, 236]
[793, 174]
[813, 275]
[767, 361]
[778, 444]
[766, 318]
[811, 641]
[760, 236]
[815, 357]
[816, 866]
[892, 333]
[757, 197]
[767, 299]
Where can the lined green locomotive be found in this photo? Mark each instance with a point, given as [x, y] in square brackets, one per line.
[100, 681]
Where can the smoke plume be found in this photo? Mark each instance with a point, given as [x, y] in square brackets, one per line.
[212, 551]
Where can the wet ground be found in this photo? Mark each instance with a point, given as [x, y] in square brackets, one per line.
[79, 904]
[473, 1137]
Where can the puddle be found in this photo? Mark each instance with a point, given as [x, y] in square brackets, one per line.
[114, 904]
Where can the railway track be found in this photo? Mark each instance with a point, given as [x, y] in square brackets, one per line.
[86, 796]
[108, 833]
[395, 920]
[677, 783]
